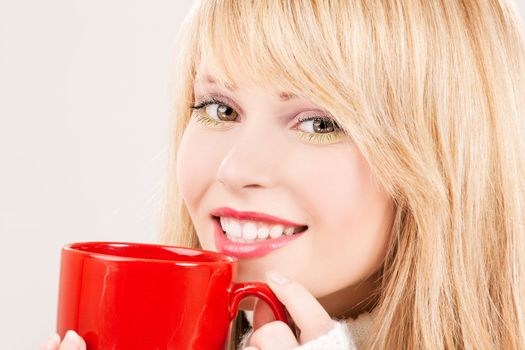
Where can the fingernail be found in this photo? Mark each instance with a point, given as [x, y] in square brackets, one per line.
[73, 337]
[53, 342]
[276, 277]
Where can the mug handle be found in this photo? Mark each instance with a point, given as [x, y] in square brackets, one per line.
[260, 290]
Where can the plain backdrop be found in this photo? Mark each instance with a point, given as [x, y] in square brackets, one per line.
[84, 109]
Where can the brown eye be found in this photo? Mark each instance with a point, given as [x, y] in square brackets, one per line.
[323, 125]
[319, 125]
[223, 112]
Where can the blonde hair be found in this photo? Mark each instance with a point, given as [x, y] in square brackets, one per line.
[432, 92]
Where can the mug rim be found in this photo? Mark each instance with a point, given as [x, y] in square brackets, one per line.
[221, 257]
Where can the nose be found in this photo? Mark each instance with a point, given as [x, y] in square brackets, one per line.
[252, 160]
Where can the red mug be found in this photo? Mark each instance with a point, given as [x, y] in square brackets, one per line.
[148, 296]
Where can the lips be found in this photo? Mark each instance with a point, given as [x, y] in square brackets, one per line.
[252, 249]
[253, 216]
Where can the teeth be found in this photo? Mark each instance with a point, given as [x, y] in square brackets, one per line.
[249, 231]
[225, 223]
[234, 229]
[276, 231]
[264, 232]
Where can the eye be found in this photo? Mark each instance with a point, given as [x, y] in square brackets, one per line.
[223, 112]
[217, 110]
[315, 129]
[320, 130]
[318, 125]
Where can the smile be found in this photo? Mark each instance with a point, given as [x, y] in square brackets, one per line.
[247, 231]
[249, 236]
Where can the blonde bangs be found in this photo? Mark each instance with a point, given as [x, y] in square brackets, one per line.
[276, 45]
[269, 42]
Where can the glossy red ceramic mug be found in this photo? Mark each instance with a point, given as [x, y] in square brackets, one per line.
[147, 296]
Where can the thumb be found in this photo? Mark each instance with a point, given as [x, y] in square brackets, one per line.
[262, 314]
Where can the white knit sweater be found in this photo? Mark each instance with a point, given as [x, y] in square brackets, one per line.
[347, 334]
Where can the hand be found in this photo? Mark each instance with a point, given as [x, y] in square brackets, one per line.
[309, 316]
[72, 341]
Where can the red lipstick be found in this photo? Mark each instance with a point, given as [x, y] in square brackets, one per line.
[248, 250]
[254, 216]
[251, 249]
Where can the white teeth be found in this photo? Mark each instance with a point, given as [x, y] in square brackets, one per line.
[225, 223]
[263, 232]
[276, 231]
[234, 229]
[249, 231]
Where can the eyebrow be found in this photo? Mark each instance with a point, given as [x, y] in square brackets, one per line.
[211, 80]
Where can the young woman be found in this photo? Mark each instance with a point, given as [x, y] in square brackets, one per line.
[367, 156]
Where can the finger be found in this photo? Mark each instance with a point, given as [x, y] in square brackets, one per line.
[262, 314]
[52, 343]
[72, 341]
[275, 335]
[250, 348]
[307, 313]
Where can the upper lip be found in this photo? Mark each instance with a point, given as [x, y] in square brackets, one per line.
[254, 216]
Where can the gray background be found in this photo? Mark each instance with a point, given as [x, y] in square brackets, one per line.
[84, 108]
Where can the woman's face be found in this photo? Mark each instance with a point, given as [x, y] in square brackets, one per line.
[262, 158]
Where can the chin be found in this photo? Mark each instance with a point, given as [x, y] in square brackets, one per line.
[249, 275]
[255, 269]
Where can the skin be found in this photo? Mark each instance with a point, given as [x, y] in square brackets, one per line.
[257, 161]
[72, 341]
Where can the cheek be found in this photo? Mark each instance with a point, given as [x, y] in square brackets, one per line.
[195, 165]
[348, 199]
[340, 189]
[350, 213]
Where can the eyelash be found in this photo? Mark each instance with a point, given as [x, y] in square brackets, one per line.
[309, 136]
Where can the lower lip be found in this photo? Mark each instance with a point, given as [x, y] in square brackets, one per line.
[248, 250]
